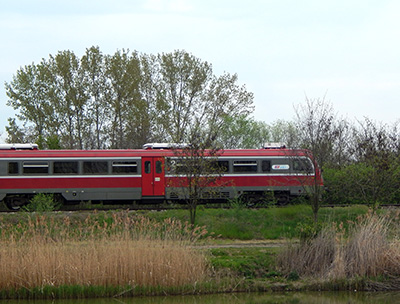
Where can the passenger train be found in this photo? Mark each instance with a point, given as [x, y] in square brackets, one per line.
[144, 176]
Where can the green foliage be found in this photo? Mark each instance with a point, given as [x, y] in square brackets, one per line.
[268, 223]
[237, 203]
[41, 202]
[361, 183]
[242, 132]
[122, 100]
[293, 276]
[248, 262]
[308, 230]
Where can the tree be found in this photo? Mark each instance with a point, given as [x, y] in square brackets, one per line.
[241, 132]
[15, 133]
[123, 100]
[97, 89]
[29, 93]
[127, 109]
[189, 99]
[285, 132]
[376, 165]
[68, 97]
[198, 164]
[318, 132]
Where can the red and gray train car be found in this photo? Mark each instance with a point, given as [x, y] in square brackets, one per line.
[143, 175]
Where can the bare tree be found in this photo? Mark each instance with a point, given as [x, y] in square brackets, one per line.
[319, 132]
[198, 164]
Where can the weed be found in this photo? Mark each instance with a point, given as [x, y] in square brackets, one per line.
[41, 202]
[293, 276]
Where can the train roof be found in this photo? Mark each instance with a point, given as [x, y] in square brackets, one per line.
[142, 153]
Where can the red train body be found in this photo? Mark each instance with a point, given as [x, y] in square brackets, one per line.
[141, 175]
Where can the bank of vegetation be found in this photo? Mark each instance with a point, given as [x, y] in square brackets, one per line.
[127, 99]
[121, 253]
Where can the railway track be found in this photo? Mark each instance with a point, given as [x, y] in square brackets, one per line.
[162, 207]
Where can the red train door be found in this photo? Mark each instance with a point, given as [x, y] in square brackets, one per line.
[153, 176]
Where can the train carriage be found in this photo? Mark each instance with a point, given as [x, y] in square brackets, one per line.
[142, 175]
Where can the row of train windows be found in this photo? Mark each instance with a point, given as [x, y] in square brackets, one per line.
[251, 166]
[72, 167]
[131, 167]
[295, 165]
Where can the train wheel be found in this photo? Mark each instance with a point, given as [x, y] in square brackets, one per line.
[282, 199]
[253, 200]
[15, 203]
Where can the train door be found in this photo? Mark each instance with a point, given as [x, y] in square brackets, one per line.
[153, 183]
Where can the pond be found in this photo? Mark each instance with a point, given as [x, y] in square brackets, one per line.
[243, 298]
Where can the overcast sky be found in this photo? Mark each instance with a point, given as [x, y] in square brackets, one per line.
[282, 50]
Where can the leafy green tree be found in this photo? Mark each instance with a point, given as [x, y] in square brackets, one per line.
[28, 93]
[285, 132]
[16, 134]
[127, 108]
[122, 100]
[190, 99]
[68, 97]
[376, 154]
[241, 132]
[97, 89]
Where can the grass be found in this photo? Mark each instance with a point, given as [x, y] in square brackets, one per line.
[106, 251]
[120, 253]
[269, 223]
[251, 263]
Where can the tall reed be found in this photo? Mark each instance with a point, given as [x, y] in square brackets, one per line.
[369, 248]
[103, 250]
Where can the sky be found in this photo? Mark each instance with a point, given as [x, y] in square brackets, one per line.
[283, 51]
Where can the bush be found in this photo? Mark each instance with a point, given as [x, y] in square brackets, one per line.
[41, 202]
[364, 250]
[308, 230]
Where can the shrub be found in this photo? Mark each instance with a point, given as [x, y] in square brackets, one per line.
[308, 230]
[364, 250]
[41, 202]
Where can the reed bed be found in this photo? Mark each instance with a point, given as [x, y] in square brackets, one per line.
[369, 248]
[103, 250]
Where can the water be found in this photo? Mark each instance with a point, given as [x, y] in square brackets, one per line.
[243, 298]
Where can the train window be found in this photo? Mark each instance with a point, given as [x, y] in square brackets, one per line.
[13, 168]
[303, 165]
[65, 167]
[221, 166]
[266, 166]
[178, 166]
[244, 166]
[124, 167]
[95, 167]
[181, 166]
[158, 166]
[35, 167]
[147, 166]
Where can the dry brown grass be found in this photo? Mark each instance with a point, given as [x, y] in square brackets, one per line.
[117, 251]
[370, 248]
